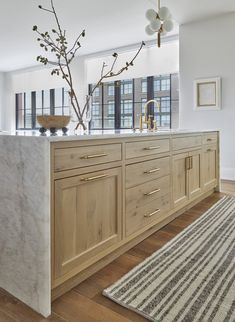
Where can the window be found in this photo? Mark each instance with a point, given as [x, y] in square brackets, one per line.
[143, 102]
[144, 85]
[96, 115]
[165, 84]
[121, 103]
[126, 87]
[111, 108]
[44, 102]
[126, 114]
[162, 83]
[109, 115]
[163, 116]
[165, 104]
[110, 89]
[157, 85]
[96, 92]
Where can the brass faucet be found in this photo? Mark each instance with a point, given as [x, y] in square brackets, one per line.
[147, 119]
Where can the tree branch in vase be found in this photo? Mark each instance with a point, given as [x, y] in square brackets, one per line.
[56, 42]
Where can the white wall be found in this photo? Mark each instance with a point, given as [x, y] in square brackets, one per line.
[207, 49]
[32, 80]
[151, 61]
[1, 97]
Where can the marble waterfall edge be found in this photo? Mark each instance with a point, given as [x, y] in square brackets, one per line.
[25, 220]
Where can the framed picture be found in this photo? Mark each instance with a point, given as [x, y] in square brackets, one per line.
[207, 94]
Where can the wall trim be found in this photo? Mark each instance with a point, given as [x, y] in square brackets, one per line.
[228, 174]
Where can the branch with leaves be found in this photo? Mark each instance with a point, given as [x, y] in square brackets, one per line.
[56, 42]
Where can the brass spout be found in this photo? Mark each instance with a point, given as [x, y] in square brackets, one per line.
[147, 120]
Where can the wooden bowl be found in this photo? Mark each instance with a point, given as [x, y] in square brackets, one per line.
[53, 121]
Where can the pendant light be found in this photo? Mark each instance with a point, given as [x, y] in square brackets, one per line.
[160, 22]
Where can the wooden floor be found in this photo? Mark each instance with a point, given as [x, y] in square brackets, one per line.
[85, 302]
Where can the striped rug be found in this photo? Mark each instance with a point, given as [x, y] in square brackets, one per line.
[192, 278]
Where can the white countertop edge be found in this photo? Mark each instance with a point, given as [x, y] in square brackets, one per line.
[96, 135]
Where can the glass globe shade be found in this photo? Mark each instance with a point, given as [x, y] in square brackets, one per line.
[149, 31]
[163, 32]
[151, 14]
[168, 25]
[164, 13]
[155, 25]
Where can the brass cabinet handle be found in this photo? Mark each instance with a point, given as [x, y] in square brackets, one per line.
[94, 156]
[191, 162]
[94, 178]
[209, 140]
[152, 192]
[209, 150]
[152, 171]
[152, 214]
[187, 163]
[152, 148]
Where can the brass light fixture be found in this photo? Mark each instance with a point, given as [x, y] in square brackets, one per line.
[160, 22]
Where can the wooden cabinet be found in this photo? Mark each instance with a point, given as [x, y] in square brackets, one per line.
[210, 166]
[110, 194]
[195, 174]
[186, 176]
[87, 217]
[180, 179]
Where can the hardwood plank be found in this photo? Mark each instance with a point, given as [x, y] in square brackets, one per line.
[6, 318]
[77, 308]
[13, 310]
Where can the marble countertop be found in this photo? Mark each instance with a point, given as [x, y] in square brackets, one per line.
[99, 134]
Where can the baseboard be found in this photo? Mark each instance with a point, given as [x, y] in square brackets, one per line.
[228, 174]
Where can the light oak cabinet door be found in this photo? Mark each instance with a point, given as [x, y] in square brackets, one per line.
[210, 166]
[87, 218]
[195, 173]
[180, 179]
[187, 177]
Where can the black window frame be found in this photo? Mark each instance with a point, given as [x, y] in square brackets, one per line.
[33, 107]
[120, 95]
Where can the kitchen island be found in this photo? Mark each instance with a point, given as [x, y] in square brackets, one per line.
[69, 205]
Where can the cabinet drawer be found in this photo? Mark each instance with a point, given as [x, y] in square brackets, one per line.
[146, 171]
[145, 148]
[186, 142]
[209, 138]
[77, 157]
[147, 192]
[152, 212]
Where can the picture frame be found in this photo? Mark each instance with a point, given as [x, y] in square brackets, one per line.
[207, 94]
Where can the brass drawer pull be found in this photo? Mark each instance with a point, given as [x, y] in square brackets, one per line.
[152, 214]
[152, 171]
[152, 148]
[210, 140]
[152, 192]
[86, 157]
[209, 150]
[94, 178]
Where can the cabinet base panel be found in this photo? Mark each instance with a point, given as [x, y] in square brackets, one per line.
[80, 277]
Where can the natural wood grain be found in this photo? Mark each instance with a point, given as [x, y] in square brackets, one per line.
[85, 302]
[146, 148]
[142, 172]
[79, 157]
[87, 218]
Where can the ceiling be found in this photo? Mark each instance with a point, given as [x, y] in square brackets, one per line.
[109, 24]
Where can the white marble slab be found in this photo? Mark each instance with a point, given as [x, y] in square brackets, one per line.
[25, 221]
[105, 134]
